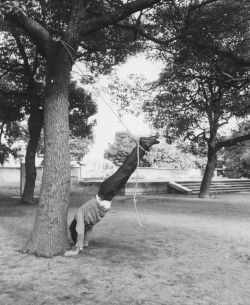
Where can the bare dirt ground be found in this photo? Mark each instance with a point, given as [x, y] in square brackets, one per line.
[190, 252]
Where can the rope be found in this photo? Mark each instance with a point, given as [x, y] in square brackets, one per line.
[135, 188]
[68, 48]
[116, 115]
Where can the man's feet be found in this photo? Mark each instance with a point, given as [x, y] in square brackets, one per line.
[147, 142]
[73, 252]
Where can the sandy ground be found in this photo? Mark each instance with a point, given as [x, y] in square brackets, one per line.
[190, 252]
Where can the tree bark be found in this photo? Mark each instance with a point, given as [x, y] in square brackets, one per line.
[35, 126]
[49, 234]
[209, 171]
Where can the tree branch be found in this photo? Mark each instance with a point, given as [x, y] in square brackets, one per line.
[36, 32]
[140, 31]
[225, 122]
[232, 78]
[231, 142]
[196, 137]
[218, 50]
[22, 52]
[114, 16]
[3, 74]
[194, 7]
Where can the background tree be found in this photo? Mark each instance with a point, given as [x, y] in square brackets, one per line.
[26, 74]
[162, 155]
[220, 77]
[172, 157]
[13, 132]
[120, 149]
[237, 157]
[79, 147]
[11, 113]
[26, 69]
[81, 108]
[194, 103]
[49, 235]
[21, 65]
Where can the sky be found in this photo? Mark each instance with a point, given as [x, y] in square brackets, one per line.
[107, 122]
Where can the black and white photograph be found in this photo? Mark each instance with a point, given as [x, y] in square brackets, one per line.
[125, 152]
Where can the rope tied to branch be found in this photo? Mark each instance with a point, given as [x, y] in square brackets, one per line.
[69, 50]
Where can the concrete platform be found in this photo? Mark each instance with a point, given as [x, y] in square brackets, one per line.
[146, 187]
[143, 187]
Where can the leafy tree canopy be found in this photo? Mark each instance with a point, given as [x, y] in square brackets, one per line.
[162, 155]
[22, 66]
[11, 111]
[79, 148]
[128, 95]
[81, 108]
[191, 98]
[238, 157]
[120, 149]
[200, 89]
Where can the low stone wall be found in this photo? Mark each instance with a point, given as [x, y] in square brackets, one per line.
[158, 184]
[143, 188]
[12, 175]
[168, 174]
[9, 175]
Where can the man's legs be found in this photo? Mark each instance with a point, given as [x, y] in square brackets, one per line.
[77, 230]
[111, 186]
[72, 230]
[86, 236]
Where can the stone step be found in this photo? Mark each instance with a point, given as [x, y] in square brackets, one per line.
[214, 183]
[218, 186]
[222, 186]
[221, 191]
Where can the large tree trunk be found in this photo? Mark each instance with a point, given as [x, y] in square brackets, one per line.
[49, 235]
[209, 171]
[35, 126]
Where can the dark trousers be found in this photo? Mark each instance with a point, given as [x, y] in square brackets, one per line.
[112, 185]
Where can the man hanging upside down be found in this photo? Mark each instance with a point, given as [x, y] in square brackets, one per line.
[95, 209]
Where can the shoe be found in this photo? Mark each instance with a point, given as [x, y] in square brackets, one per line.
[73, 252]
[147, 142]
